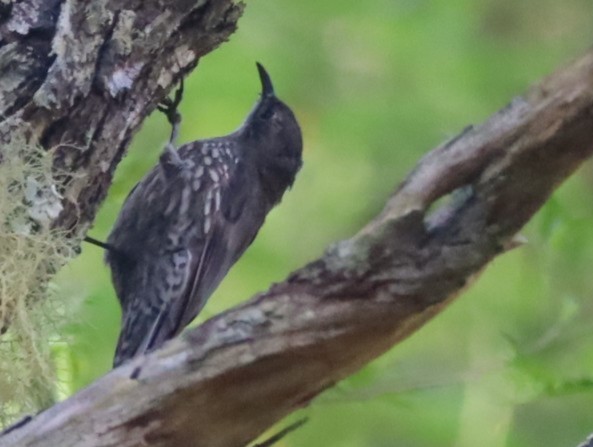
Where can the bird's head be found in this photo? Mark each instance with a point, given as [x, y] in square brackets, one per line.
[271, 128]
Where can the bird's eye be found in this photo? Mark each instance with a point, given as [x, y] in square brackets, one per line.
[266, 114]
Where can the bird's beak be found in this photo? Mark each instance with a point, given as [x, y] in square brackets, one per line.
[267, 89]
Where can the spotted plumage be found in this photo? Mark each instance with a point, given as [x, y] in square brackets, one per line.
[188, 220]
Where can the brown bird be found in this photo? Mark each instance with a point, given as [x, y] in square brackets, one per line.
[192, 216]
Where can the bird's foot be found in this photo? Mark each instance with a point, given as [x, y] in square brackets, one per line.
[169, 107]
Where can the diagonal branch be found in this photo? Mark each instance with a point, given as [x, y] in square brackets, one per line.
[78, 78]
[225, 382]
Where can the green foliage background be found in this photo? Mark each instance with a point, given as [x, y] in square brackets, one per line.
[375, 85]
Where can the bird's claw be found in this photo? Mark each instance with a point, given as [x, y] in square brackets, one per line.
[169, 107]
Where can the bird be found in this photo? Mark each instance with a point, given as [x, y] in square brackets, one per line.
[188, 220]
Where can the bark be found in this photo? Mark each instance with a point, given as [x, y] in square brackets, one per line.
[79, 77]
[225, 382]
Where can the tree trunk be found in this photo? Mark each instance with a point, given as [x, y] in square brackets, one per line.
[80, 77]
[225, 382]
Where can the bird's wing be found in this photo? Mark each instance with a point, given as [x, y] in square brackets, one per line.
[225, 239]
[156, 282]
[177, 282]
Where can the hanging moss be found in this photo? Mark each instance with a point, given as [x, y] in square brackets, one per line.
[30, 253]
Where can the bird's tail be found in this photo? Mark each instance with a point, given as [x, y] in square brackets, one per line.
[150, 324]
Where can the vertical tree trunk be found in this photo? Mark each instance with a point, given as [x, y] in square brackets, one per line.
[78, 78]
